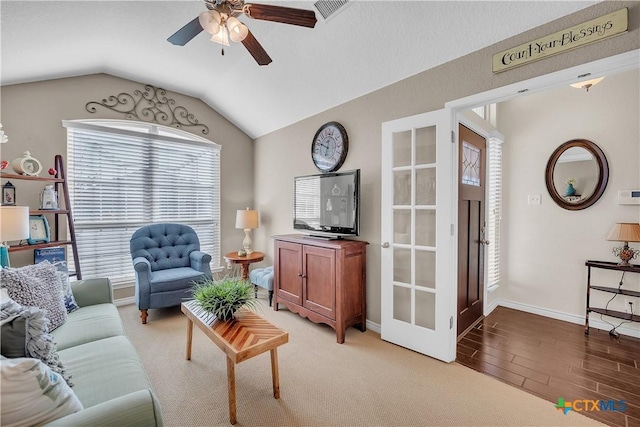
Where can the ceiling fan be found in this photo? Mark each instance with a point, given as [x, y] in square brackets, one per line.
[220, 20]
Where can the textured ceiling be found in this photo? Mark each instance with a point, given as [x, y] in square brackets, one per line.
[366, 46]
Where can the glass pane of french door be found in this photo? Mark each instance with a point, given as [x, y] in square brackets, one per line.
[414, 226]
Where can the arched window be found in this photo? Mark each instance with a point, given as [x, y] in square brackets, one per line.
[124, 174]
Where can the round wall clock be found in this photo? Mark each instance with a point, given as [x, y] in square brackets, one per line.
[329, 147]
[27, 165]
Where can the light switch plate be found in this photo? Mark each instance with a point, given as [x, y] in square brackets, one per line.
[533, 199]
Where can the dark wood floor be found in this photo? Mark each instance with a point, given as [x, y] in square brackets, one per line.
[552, 359]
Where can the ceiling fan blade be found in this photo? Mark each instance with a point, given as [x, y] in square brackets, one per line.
[285, 15]
[256, 50]
[186, 33]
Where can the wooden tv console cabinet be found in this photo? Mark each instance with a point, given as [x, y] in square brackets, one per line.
[322, 280]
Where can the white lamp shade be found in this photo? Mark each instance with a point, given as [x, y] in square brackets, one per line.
[247, 219]
[625, 232]
[237, 30]
[210, 21]
[14, 223]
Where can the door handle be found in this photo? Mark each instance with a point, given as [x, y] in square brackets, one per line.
[385, 244]
[483, 241]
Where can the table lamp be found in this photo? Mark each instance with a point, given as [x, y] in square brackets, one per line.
[247, 220]
[625, 232]
[14, 225]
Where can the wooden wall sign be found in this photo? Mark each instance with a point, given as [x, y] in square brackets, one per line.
[591, 31]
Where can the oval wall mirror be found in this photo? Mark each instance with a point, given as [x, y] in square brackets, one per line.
[577, 174]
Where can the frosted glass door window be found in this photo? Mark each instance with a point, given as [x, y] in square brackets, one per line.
[425, 227]
[402, 149]
[425, 146]
[402, 226]
[402, 188]
[470, 164]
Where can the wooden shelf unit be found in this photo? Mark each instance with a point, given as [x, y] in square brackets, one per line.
[60, 185]
[606, 265]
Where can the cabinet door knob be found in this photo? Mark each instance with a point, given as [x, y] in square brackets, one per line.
[385, 244]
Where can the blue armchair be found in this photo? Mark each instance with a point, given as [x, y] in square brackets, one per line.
[167, 260]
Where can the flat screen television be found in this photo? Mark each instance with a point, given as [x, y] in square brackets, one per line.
[327, 205]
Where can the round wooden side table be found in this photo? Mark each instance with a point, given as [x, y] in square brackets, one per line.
[244, 261]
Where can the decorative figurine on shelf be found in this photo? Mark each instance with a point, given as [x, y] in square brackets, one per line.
[48, 198]
[52, 172]
[570, 190]
[4, 164]
[3, 136]
[8, 194]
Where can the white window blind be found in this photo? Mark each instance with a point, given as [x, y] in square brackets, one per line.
[494, 209]
[123, 175]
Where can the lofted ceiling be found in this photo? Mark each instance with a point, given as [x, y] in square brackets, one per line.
[365, 46]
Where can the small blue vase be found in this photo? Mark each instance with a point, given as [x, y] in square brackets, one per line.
[570, 190]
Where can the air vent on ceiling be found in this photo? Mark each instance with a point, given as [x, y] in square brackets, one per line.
[328, 8]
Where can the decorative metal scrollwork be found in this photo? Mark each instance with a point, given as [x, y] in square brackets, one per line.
[152, 106]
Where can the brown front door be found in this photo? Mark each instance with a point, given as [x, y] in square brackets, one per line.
[471, 223]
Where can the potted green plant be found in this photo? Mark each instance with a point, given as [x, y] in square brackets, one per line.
[223, 297]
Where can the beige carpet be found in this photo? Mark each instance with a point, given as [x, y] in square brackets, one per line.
[363, 382]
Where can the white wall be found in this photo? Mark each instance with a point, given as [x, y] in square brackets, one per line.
[545, 246]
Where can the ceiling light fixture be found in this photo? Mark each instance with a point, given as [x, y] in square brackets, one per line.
[586, 85]
[222, 27]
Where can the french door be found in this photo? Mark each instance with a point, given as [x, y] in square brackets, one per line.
[418, 259]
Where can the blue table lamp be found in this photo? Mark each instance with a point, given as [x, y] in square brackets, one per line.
[14, 225]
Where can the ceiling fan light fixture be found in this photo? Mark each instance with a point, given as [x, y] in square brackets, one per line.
[237, 30]
[221, 37]
[210, 21]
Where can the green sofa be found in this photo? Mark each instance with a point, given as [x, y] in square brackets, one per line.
[107, 373]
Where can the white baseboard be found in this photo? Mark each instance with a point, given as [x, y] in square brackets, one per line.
[631, 329]
[375, 327]
[124, 301]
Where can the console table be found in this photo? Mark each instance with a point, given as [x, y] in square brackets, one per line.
[613, 313]
[322, 280]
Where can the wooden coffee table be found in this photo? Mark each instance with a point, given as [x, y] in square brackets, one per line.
[242, 338]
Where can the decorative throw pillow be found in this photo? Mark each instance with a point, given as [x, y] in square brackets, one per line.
[37, 285]
[32, 394]
[13, 336]
[67, 293]
[27, 336]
